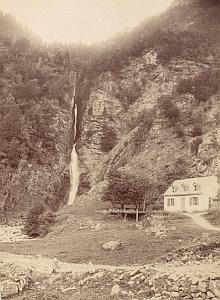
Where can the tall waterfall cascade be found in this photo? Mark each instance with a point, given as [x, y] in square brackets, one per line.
[74, 163]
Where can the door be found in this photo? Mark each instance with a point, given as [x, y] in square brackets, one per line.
[182, 203]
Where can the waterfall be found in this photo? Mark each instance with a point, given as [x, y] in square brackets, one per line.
[74, 163]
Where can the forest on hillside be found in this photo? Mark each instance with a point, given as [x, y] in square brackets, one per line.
[36, 79]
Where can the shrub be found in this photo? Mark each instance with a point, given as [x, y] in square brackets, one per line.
[84, 184]
[144, 119]
[169, 109]
[185, 86]
[194, 146]
[196, 131]
[128, 94]
[179, 131]
[39, 220]
[202, 86]
[213, 216]
[108, 139]
[177, 170]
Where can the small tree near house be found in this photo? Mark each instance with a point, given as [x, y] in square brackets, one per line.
[129, 190]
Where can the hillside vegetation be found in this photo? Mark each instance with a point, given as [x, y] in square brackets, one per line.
[147, 105]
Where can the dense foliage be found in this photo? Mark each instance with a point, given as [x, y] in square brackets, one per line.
[184, 32]
[169, 109]
[39, 220]
[203, 86]
[109, 138]
[131, 190]
[33, 83]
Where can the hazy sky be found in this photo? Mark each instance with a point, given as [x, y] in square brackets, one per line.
[81, 20]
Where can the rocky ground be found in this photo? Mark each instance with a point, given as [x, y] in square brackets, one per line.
[12, 234]
[190, 271]
[193, 274]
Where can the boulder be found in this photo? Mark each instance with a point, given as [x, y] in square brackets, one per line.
[113, 245]
[215, 288]
[175, 294]
[9, 288]
[97, 226]
[115, 290]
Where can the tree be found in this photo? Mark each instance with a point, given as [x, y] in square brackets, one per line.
[129, 189]
[39, 220]
[123, 190]
[169, 109]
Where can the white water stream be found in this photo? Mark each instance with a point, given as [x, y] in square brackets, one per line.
[74, 163]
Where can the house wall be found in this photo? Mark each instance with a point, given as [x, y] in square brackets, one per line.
[208, 191]
[178, 207]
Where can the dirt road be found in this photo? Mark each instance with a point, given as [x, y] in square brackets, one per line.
[201, 221]
[47, 265]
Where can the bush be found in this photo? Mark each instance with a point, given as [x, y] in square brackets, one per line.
[196, 131]
[144, 120]
[213, 216]
[194, 146]
[108, 139]
[179, 131]
[128, 94]
[202, 86]
[84, 184]
[39, 220]
[177, 170]
[169, 109]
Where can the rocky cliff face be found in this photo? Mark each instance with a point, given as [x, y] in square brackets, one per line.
[45, 179]
[149, 150]
[155, 116]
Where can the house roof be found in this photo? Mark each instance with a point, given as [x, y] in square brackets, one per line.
[191, 186]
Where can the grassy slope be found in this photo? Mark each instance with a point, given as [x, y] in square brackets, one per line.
[71, 244]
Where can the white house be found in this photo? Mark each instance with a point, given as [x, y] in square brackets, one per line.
[192, 195]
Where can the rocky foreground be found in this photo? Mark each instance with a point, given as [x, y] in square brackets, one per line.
[12, 234]
[190, 273]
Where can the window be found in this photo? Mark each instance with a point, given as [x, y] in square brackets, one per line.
[193, 201]
[185, 187]
[174, 188]
[170, 202]
[196, 186]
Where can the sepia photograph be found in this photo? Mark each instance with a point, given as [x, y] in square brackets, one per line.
[110, 149]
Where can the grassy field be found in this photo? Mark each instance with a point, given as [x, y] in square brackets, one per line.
[72, 241]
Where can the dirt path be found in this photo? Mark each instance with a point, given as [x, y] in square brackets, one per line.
[47, 265]
[201, 221]
[42, 264]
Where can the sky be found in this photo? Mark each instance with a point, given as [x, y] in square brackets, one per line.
[87, 21]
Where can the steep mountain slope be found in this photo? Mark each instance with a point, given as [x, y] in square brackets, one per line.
[148, 108]
[36, 120]
[155, 115]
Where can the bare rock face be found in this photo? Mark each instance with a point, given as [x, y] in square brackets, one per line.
[103, 109]
[208, 153]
